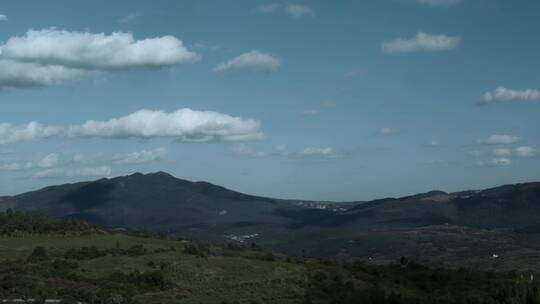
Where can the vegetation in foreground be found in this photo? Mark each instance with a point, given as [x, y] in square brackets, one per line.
[43, 258]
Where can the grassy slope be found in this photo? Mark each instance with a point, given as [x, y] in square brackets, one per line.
[248, 276]
[198, 280]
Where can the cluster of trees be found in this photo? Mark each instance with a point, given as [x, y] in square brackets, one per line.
[410, 282]
[92, 252]
[16, 223]
[45, 275]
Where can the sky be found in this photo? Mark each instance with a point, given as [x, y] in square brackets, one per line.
[321, 100]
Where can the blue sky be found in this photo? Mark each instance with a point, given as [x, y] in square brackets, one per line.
[325, 100]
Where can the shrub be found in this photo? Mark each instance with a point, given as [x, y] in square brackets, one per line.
[84, 253]
[39, 253]
[198, 249]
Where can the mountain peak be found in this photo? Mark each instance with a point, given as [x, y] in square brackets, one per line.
[152, 174]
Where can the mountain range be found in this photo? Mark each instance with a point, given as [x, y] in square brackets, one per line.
[435, 227]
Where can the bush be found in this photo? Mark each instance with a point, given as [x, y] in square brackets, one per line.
[84, 253]
[198, 249]
[136, 250]
[39, 253]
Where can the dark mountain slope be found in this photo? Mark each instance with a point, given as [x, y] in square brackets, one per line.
[156, 201]
[509, 206]
[162, 202]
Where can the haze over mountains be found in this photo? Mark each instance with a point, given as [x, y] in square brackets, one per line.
[380, 229]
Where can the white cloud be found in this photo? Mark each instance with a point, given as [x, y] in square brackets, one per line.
[433, 144]
[49, 161]
[499, 139]
[293, 10]
[50, 56]
[129, 18]
[502, 94]
[439, 2]
[502, 152]
[102, 171]
[254, 61]
[496, 162]
[299, 11]
[91, 172]
[245, 150]
[16, 166]
[84, 50]
[144, 156]
[522, 151]
[525, 151]
[319, 152]
[14, 74]
[3, 17]
[14, 133]
[281, 149]
[47, 173]
[421, 42]
[183, 125]
[269, 8]
[309, 152]
[387, 131]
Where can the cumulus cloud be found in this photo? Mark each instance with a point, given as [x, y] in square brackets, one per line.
[50, 56]
[142, 157]
[15, 74]
[522, 151]
[183, 125]
[14, 133]
[299, 11]
[84, 50]
[525, 151]
[421, 42]
[499, 139]
[439, 2]
[49, 161]
[103, 171]
[502, 94]
[3, 17]
[496, 162]
[254, 61]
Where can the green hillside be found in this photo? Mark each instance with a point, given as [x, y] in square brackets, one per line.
[96, 266]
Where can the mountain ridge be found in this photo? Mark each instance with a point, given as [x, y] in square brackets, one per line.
[435, 226]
